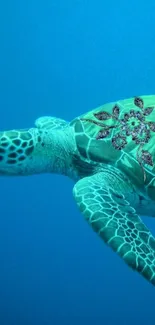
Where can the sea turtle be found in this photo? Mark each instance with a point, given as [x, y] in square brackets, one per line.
[110, 154]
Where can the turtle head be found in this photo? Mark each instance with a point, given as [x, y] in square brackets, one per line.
[34, 151]
[22, 152]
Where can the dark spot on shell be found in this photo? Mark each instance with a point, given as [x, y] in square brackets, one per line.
[102, 116]
[92, 121]
[1, 158]
[102, 134]
[141, 136]
[119, 142]
[148, 111]
[128, 131]
[116, 111]
[147, 158]
[140, 116]
[126, 116]
[138, 141]
[152, 126]
[31, 143]
[132, 113]
[139, 102]
[39, 139]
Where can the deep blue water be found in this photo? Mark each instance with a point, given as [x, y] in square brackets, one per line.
[63, 58]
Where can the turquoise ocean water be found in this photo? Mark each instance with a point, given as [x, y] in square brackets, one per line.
[63, 58]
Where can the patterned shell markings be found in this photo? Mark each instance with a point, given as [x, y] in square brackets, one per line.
[125, 126]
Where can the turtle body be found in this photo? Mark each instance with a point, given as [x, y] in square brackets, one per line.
[121, 134]
[109, 152]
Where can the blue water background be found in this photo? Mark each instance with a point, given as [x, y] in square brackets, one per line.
[63, 58]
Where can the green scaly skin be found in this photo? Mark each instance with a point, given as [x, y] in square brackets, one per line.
[45, 149]
[113, 186]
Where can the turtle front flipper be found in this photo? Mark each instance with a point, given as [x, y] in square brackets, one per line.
[22, 152]
[103, 199]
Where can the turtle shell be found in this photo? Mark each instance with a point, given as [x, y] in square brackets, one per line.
[120, 133]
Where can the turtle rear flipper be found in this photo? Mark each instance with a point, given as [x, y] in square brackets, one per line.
[22, 152]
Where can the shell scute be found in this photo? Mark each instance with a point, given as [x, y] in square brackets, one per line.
[125, 127]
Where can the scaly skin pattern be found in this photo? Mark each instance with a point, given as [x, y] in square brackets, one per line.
[17, 148]
[44, 149]
[110, 154]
